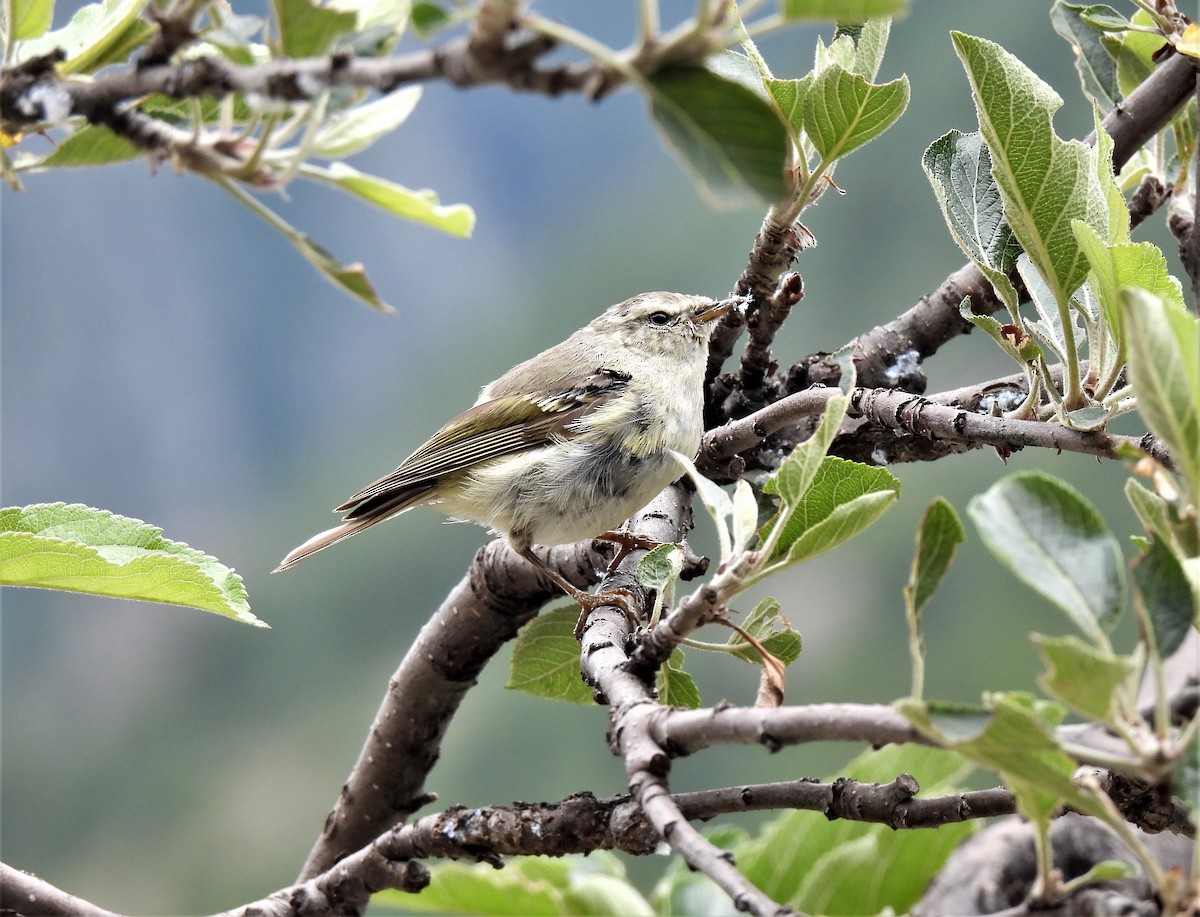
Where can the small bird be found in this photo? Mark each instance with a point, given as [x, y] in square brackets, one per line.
[566, 445]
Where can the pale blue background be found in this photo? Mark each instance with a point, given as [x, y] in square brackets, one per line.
[166, 356]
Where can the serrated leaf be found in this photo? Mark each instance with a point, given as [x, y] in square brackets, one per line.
[767, 624]
[1170, 600]
[1045, 182]
[844, 498]
[307, 29]
[938, 538]
[1096, 66]
[1056, 542]
[87, 38]
[842, 10]
[728, 135]
[846, 521]
[545, 658]
[418, 206]
[843, 111]
[354, 129]
[676, 688]
[1015, 741]
[959, 167]
[80, 549]
[1084, 678]
[1164, 366]
[1133, 264]
[90, 145]
[28, 18]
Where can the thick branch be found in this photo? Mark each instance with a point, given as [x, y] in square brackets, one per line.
[24, 893]
[889, 417]
[498, 594]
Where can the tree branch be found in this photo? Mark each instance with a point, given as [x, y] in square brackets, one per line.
[24, 893]
[499, 593]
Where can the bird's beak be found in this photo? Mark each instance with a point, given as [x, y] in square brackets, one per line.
[723, 307]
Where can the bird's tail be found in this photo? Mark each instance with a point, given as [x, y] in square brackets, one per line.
[360, 517]
[323, 540]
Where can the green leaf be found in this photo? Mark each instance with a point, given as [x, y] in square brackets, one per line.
[352, 278]
[1008, 336]
[1104, 871]
[1187, 777]
[1171, 601]
[870, 40]
[658, 570]
[676, 688]
[28, 18]
[87, 38]
[728, 135]
[418, 206]
[545, 658]
[1127, 264]
[843, 111]
[91, 145]
[959, 167]
[790, 846]
[354, 129]
[1056, 542]
[307, 29]
[794, 475]
[1134, 51]
[1084, 678]
[1014, 740]
[80, 549]
[846, 521]
[526, 886]
[745, 516]
[883, 872]
[1096, 66]
[842, 10]
[1045, 182]
[767, 624]
[685, 890]
[789, 96]
[843, 499]
[1164, 366]
[428, 18]
[938, 539]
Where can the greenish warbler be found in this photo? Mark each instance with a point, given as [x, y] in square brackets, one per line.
[564, 446]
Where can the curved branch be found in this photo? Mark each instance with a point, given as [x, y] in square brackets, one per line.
[499, 593]
[24, 893]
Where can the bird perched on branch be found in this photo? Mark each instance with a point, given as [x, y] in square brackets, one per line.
[566, 445]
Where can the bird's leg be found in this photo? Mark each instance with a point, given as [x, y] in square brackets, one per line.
[627, 542]
[623, 599]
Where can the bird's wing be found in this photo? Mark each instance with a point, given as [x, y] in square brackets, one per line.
[514, 424]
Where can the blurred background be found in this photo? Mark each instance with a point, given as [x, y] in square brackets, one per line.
[168, 357]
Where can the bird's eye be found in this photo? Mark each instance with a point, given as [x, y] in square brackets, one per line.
[659, 318]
